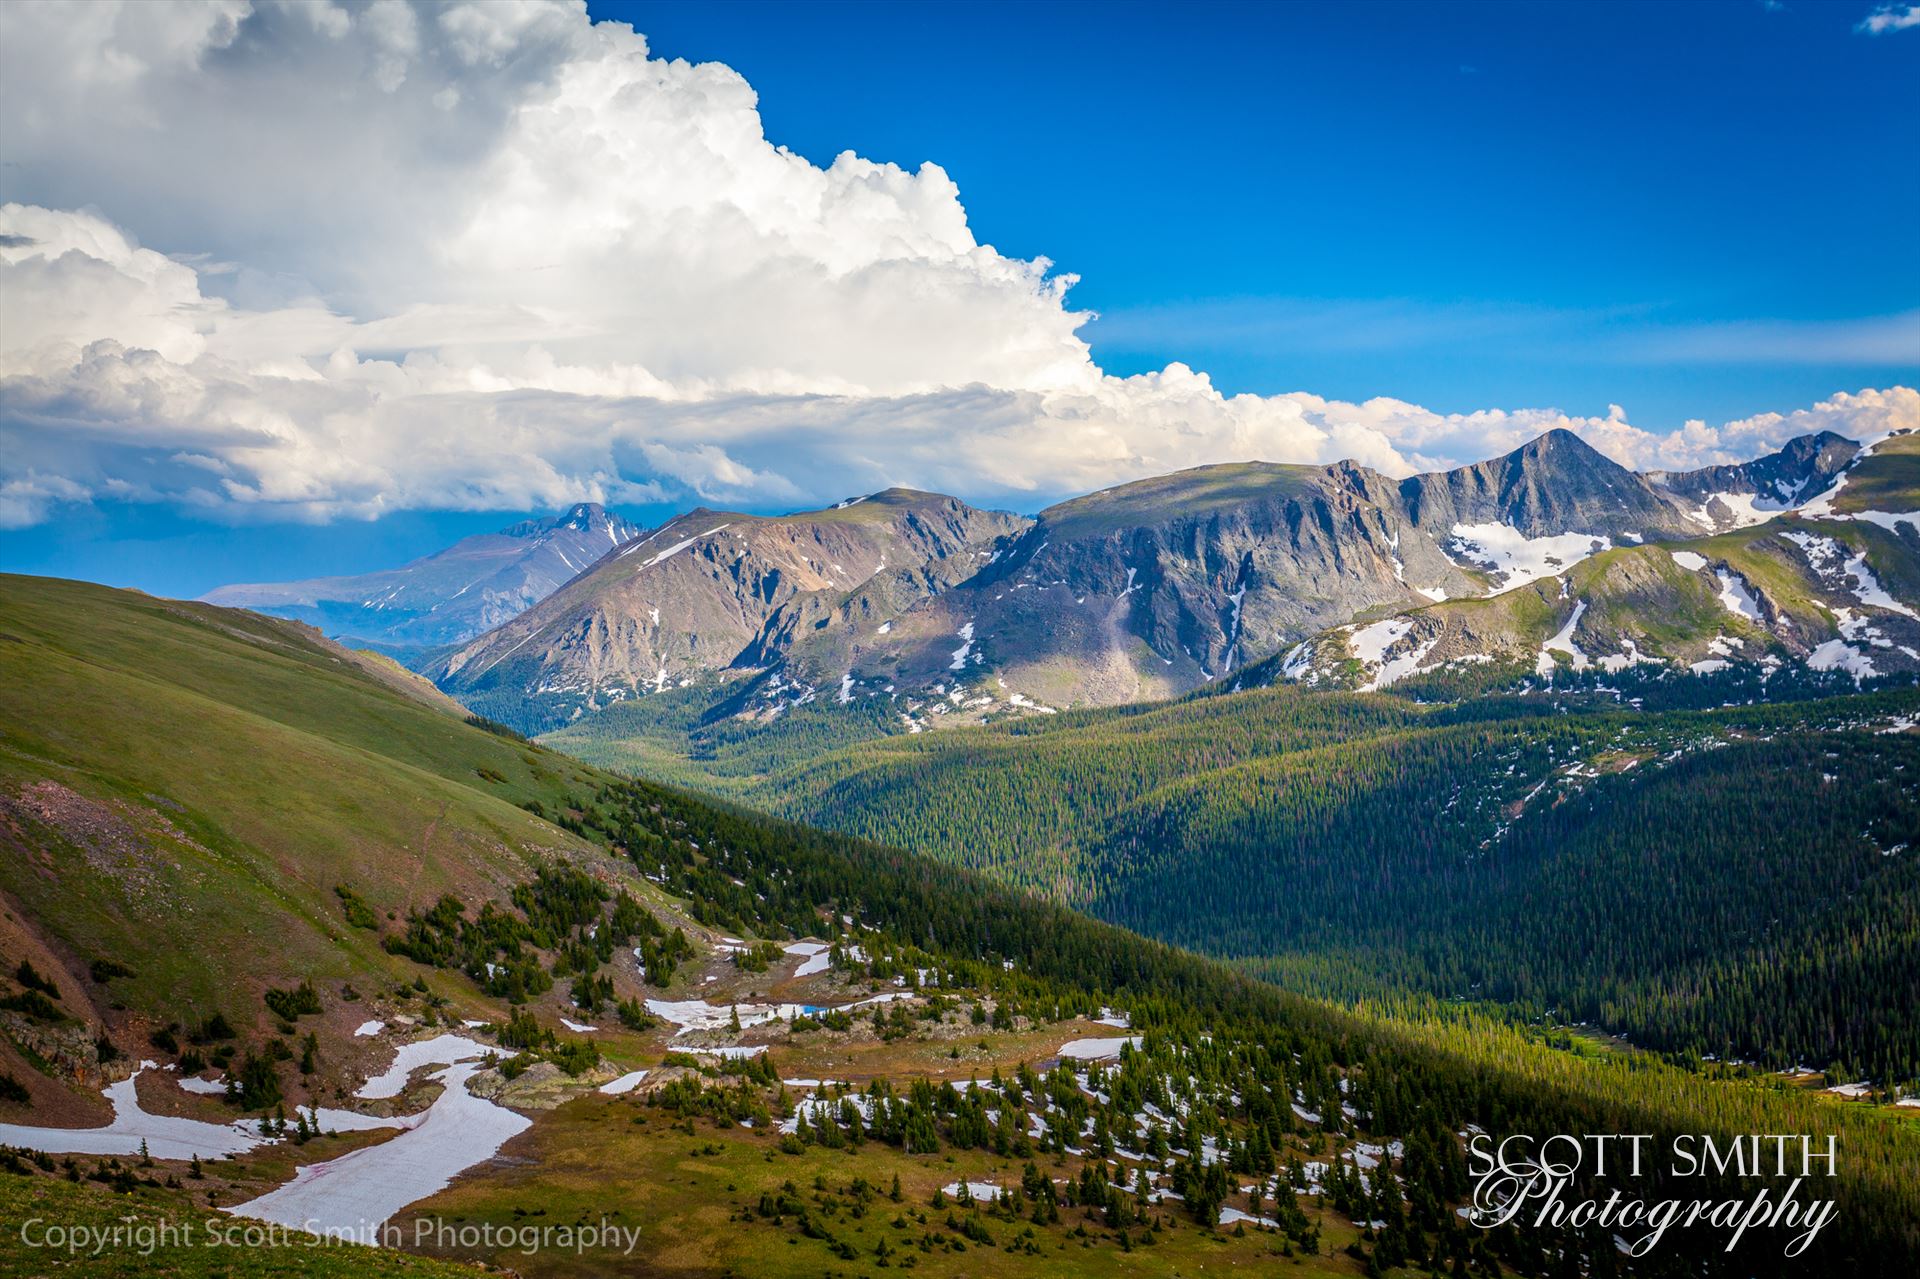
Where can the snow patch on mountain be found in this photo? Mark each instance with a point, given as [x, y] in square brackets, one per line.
[1867, 588]
[1821, 552]
[1629, 655]
[1545, 665]
[1888, 520]
[1515, 559]
[676, 548]
[1842, 656]
[1370, 644]
[960, 654]
[1744, 510]
[1736, 598]
[1298, 664]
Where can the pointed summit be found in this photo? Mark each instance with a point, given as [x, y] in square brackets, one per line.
[1552, 485]
[1560, 446]
[582, 517]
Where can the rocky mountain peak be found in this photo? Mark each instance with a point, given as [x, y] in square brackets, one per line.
[581, 517]
[1553, 485]
[1744, 493]
[453, 594]
[714, 591]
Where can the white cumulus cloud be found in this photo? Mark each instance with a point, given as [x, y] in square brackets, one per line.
[312, 260]
[1888, 18]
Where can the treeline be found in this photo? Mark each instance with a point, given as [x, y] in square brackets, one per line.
[563, 924]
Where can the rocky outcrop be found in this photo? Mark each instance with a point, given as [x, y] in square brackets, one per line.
[1723, 497]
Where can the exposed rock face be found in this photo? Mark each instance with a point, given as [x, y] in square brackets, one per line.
[1554, 485]
[449, 596]
[1157, 587]
[1144, 590]
[1164, 584]
[713, 590]
[1722, 497]
[541, 1086]
[69, 1048]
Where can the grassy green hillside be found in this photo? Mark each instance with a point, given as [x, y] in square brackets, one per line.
[1886, 480]
[180, 780]
[1185, 493]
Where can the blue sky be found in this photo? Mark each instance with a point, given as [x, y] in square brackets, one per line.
[1458, 205]
[1699, 210]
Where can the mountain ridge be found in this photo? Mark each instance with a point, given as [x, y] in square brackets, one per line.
[711, 590]
[936, 612]
[1160, 586]
[449, 595]
[1832, 584]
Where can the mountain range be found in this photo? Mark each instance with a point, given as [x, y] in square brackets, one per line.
[918, 609]
[1818, 567]
[451, 595]
[716, 591]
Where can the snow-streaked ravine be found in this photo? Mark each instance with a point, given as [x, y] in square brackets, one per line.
[1562, 641]
[673, 550]
[1867, 588]
[166, 1136]
[1736, 598]
[353, 1196]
